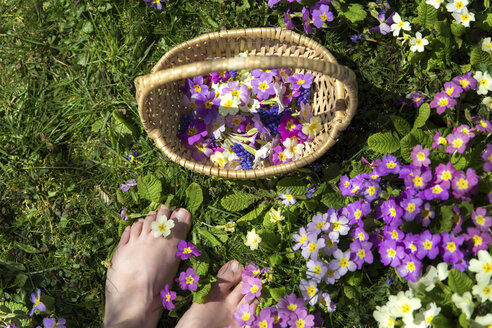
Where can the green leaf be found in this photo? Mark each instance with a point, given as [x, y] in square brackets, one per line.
[20, 280]
[296, 185]
[275, 259]
[478, 56]
[201, 264]
[26, 248]
[426, 15]
[422, 138]
[124, 124]
[270, 239]
[238, 201]
[350, 292]
[200, 295]
[267, 222]
[254, 213]
[464, 322]
[400, 124]
[458, 30]
[333, 199]
[446, 218]
[126, 198]
[15, 313]
[194, 197]
[423, 116]
[459, 282]
[441, 321]
[277, 293]
[355, 13]
[406, 144]
[458, 161]
[484, 21]
[208, 236]
[355, 279]
[149, 187]
[122, 226]
[383, 143]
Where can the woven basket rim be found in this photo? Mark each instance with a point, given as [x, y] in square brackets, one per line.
[159, 76]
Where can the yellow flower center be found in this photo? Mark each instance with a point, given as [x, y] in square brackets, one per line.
[480, 219]
[355, 190]
[200, 147]
[312, 247]
[189, 280]
[192, 131]
[457, 143]
[391, 323]
[263, 86]
[486, 290]
[483, 82]
[362, 236]
[450, 246]
[405, 308]
[168, 297]
[459, 4]
[209, 104]
[390, 165]
[446, 175]
[330, 272]
[400, 24]
[462, 184]
[236, 121]
[465, 17]
[162, 227]
[343, 262]
[330, 243]
[300, 323]
[300, 82]
[464, 83]
[420, 156]
[443, 102]
[391, 252]
[288, 197]
[358, 214]
[228, 104]
[361, 253]
[418, 42]
[323, 17]
[418, 181]
[254, 289]
[427, 244]
[292, 307]
[336, 226]
[198, 88]
[449, 91]
[303, 239]
[371, 190]
[311, 290]
[411, 266]
[487, 268]
[394, 234]
[235, 93]
[428, 320]
[282, 157]
[477, 240]
[246, 316]
[410, 207]
[443, 141]
[392, 212]
[320, 225]
[187, 250]
[290, 126]
[436, 189]
[317, 270]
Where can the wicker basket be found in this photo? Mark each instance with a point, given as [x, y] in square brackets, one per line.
[334, 90]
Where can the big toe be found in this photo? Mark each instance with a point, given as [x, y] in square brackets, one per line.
[227, 278]
[182, 223]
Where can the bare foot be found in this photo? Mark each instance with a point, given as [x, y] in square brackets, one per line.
[140, 267]
[223, 299]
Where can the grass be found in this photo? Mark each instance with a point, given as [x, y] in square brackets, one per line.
[66, 68]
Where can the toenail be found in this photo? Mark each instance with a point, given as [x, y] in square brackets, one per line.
[163, 207]
[151, 213]
[181, 214]
[235, 266]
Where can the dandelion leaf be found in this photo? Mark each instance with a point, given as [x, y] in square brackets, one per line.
[209, 237]
[355, 13]
[384, 142]
[238, 201]
[200, 295]
[296, 185]
[194, 197]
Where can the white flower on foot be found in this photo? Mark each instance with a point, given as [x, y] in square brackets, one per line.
[162, 226]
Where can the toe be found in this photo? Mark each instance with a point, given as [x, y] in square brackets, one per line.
[236, 296]
[182, 223]
[148, 220]
[136, 230]
[125, 237]
[227, 277]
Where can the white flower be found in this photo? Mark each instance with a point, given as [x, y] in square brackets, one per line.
[487, 45]
[482, 267]
[384, 317]
[229, 154]
[229, 105]
[464, 303]
[251, 106]
[426, 315]
[219, 159]
[435, 3]
[262, 153]
[404, 38]
[279, 95]
[253, 239]
[483, 291]
[464, 17]
[230, 226]
[312, 128]
[275, 215]
[418, 43]
[482, 321]
[309, 290]
[287, 198]
[487, 101]
[484, 82]
[398, 25]
[403, 305]
[293, 149]
[162, 226]
[432, 276]
[456, 6]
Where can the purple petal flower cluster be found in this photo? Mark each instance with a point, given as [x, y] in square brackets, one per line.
[126, 186]
[317, 15]
[157, 4]
[37, 304]
[188, 280]
[168, 296]
[452, 91]
[237, 120]
[384, 23]
[186, 250]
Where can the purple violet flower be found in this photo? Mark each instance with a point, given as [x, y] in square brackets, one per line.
[188, 280]
[52, 323]
[264, 319]
[477, 239]
[251, 288]
[384, 26]
[168, 296]
[287, 20]
[361, 252]
[428, 245]
[126, 186]
[487, 158]
[420, 156]
[123, 214]
[244, 315]
[390, 253]
[466, 81]
[480, 218]
[452, 89]
[442, 101]
[450, 247]
[36, 300]
[301, 318]
[410, 268]
[321, 15]
[186, 250]
[417, 99]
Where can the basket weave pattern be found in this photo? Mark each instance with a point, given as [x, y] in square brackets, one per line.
[334, 93]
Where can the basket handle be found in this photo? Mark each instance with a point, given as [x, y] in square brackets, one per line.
[146, 83]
